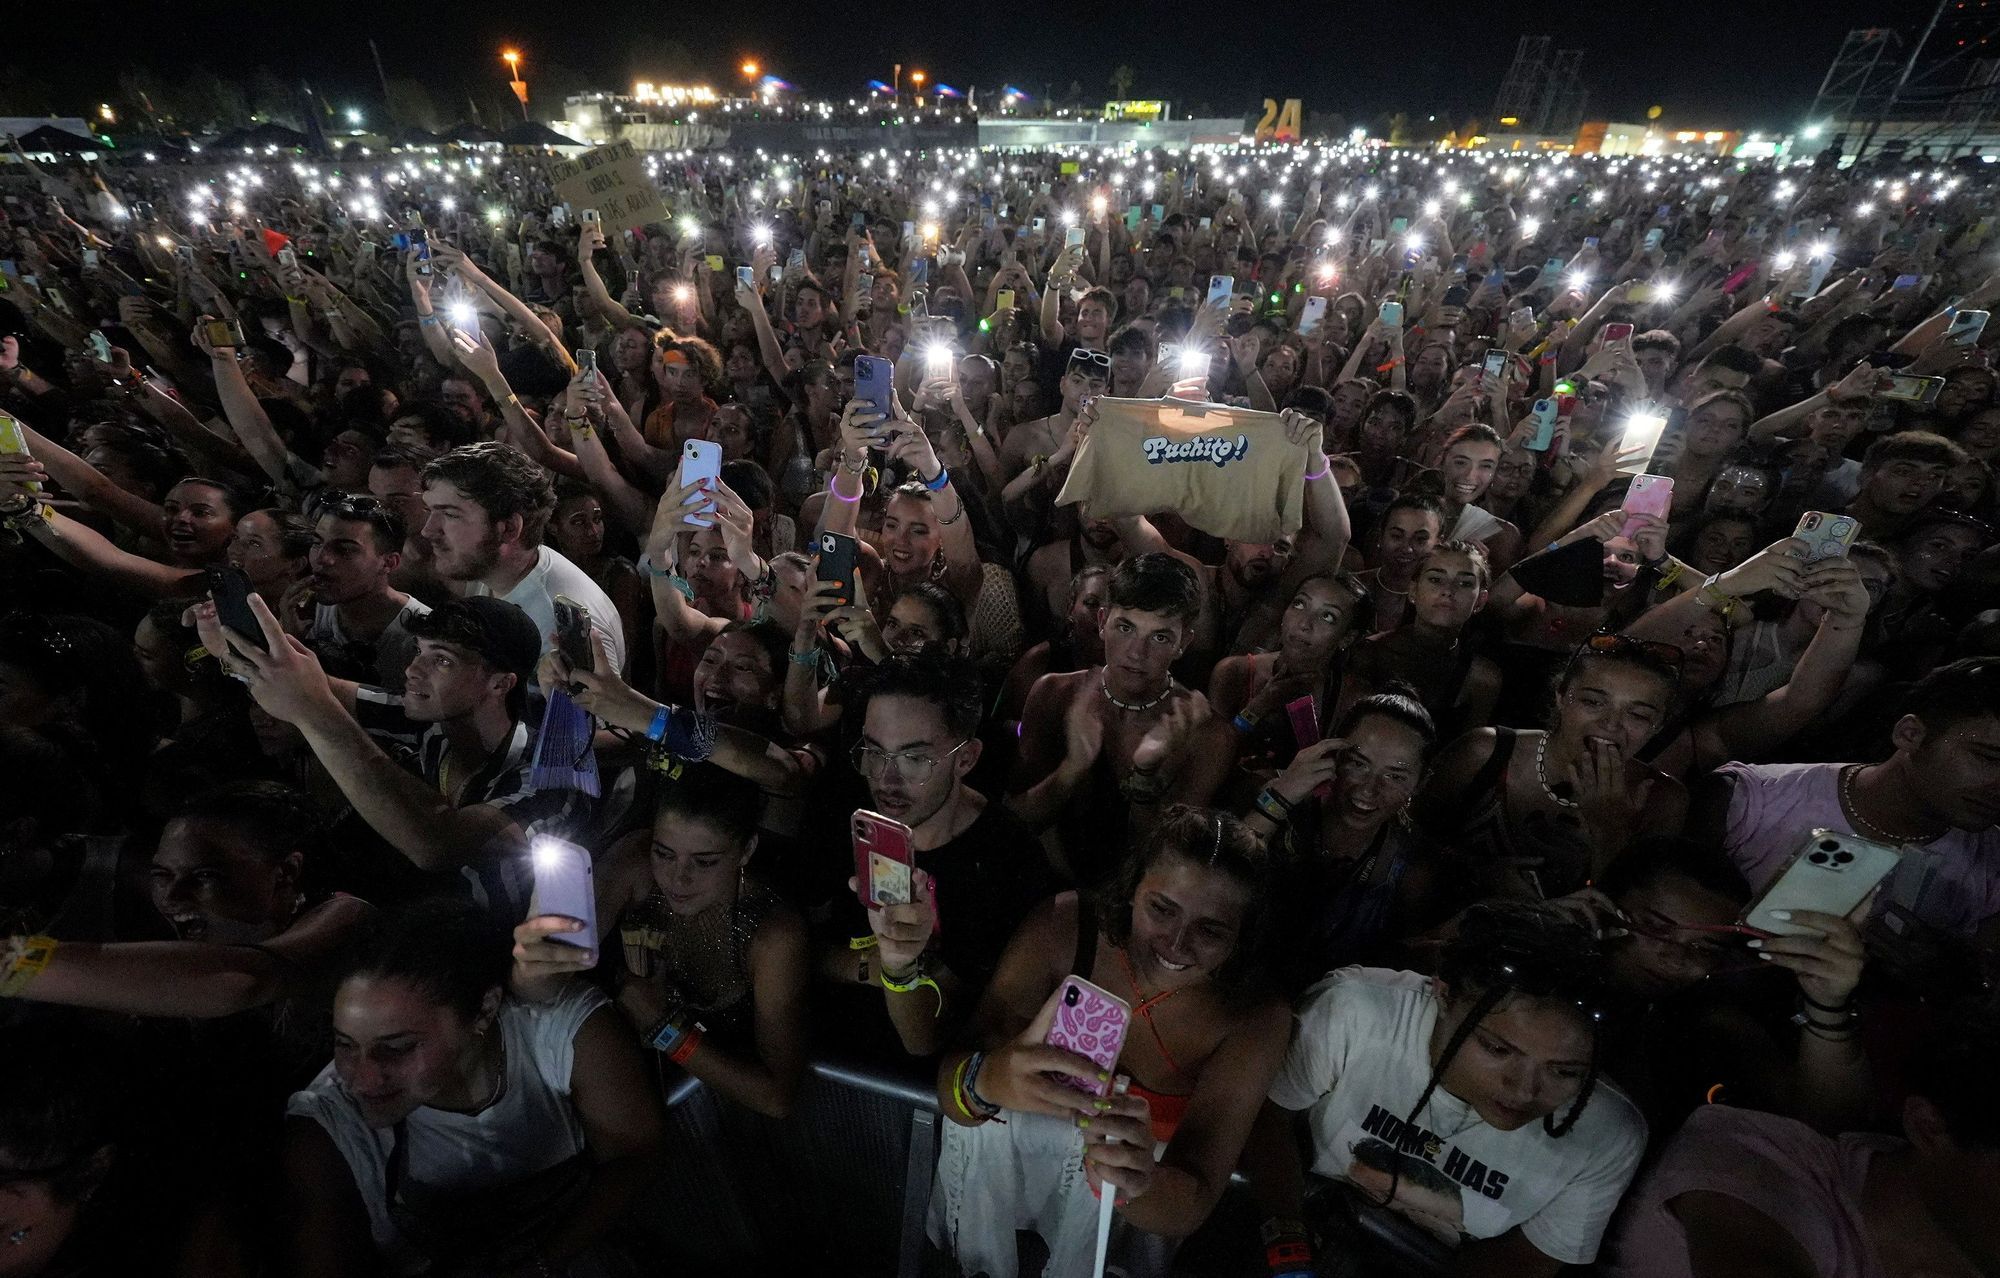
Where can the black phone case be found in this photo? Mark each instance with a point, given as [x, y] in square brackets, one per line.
[837, 564]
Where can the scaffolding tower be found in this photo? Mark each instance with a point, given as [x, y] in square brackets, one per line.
[1944, 93]
[1520, 92]
[1543, 90]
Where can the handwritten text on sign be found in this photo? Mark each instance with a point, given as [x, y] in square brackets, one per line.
[611, 179]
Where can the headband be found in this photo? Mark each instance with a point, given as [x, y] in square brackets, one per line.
[673, 357]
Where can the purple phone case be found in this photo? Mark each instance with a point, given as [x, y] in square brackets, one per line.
[1093, 1026]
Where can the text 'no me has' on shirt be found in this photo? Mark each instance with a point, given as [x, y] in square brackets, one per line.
[1359, 1062]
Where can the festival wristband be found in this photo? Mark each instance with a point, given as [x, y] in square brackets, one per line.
[938, 484]
[25, 958]
[683, 1050]
[657, 729]
[1244, 723]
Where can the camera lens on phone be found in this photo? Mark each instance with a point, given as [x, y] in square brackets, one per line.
[1842, 858]
[1817, 858]
[1828, 845]
[1070, 996]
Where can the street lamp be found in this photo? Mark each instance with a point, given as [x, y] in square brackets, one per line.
[520, 87]
[750, 68]
[917, 86]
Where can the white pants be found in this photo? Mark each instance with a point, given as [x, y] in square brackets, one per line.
[1027, 1173]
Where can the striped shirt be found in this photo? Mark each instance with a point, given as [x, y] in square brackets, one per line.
[502, 880]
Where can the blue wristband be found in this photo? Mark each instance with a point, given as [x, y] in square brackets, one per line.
[1244, 724]
[943, 478]
[658, 727]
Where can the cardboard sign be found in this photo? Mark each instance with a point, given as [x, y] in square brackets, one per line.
[611, 179]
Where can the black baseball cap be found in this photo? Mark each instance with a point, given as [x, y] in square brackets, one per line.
[504, 636]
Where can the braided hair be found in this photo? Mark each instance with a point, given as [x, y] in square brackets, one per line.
[1505, 948]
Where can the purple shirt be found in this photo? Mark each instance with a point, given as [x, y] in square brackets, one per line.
[1810, 1186]
[1952, 882]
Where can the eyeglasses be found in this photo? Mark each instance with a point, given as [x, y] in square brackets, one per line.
[914, 766]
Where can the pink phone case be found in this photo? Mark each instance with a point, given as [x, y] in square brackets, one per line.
[1092, 1023]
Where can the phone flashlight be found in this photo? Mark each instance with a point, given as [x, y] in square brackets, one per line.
[1530, 226]
[762, 235]
[683, 293]
[1432, 208]
[1069, 217]
[1785, 259]
[930, 230]
[1822, 249]
[1194, 361]
[463, 316]
[937, 357]
[1579, 281]
[690, 228]
[1098, 205]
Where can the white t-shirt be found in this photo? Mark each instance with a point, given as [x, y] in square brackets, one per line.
[554, 575]
[393, 648]
[1360, 1060]
[531, 1128]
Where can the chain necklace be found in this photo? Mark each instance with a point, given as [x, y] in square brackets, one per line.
[1542, 774]
[1854, 812]
[1104, 682]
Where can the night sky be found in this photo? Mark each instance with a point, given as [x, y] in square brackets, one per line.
[1706, 61]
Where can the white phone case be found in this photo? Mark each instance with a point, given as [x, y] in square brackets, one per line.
[1831, 873]
[565, 885]
[700, 459]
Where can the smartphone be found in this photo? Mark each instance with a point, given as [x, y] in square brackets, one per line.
[1832, 873]
[1304, 716]
[1648, 495]
[1003, 300]
[700, 459]
[857, 221]
[224, 333]
[100, 345]
[565, 885]
[795, 260]
[1220, 289]
[1615, 333]
[1654, 238]
[874, 378]
[13, 439]
[90, 259]
[573, 633]
[1521, 316]
[1398, 225]
[586, 362]
[1642, 436]
[230, 588]
[588, 217]
[885, 854]
[714, 262]
[1553, 266]
[1092, 1023]
[1740, 278]
[1203, 225]
[1391, 313]
[1907, 281]
[1039, 225]
[1544, 413]
[864, 284]
[1311, 315]
[746, 277]
[1456, 295]
[1495, 365]
[1908, 388]
[838, 555]
[1073, 237]
[1826, 536]
[1966, 326]
[287, 259]
[1590, 241]
[420, 240]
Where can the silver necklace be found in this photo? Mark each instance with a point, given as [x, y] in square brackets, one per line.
[1104, 682]
[1542, 775]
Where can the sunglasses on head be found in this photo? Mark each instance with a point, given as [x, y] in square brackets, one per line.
[1663, 657]
[1096, 359]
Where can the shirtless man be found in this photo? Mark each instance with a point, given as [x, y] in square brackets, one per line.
[1103, 749]
[1087, 374]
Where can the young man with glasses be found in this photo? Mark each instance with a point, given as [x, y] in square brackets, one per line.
[979, 870]
[350, 613]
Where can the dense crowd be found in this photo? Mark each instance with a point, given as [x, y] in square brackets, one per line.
[1464, 690]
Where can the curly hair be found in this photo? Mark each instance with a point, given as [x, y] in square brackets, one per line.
[501, 480]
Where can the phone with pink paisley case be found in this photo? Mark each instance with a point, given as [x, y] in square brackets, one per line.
[1091, 1022]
